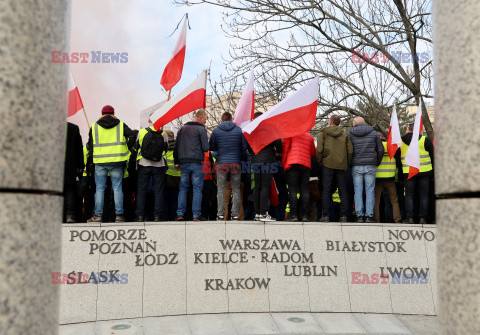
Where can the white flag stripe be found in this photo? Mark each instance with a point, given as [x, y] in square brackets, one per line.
[195, 85]
[182, 39]
[412, 158]
[396, 137]
[71, 82]
[306, 95]
[244, 107]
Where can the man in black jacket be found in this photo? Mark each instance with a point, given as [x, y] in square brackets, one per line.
[73, 169]
[191, 144]
[367, 154]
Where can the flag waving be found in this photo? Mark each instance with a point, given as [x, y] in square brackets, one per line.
[191, 98]
[173, 71]
[293, 116]
[74, 101]
[246, 106]
[394, 139]
[412, 158]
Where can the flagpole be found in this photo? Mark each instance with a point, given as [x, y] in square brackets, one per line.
[169, 93]
[83, 108]
[86, 118]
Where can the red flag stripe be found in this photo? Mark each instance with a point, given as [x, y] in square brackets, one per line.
[173, 71]
[74, 102]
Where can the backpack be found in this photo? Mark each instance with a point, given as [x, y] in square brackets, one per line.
[153, 145]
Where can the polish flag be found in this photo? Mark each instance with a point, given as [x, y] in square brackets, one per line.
[412, 158]
[246, 106]
[394, 139]
[191, 98]
[173, 71]
[274, 201]
[293, 116]
[74, 101]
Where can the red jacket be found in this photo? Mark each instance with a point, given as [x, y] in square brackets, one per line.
[298, 150]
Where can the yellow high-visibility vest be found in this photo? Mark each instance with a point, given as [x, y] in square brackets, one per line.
[425, 161]
[336, 196]
[109, 145]
[85, 158]
[172, 170]
[387, 167]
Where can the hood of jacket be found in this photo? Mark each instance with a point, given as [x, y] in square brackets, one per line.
[407, 138]
[108, 121]
[227, 125]
[193, 123]
[334, 131]
[361, 130]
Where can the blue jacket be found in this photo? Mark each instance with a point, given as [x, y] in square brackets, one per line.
[227, 139]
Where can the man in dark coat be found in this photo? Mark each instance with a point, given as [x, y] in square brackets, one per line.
[74, 166]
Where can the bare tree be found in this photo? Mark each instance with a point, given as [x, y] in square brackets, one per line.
[366, 52]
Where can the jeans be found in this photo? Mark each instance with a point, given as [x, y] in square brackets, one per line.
[330, 179]
[364, 174]
[223, 171]
[158, 176]
[116, 175]
[421, 183]
[298, 178]
[194, 171]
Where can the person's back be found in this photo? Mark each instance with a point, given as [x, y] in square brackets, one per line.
[334, 148]
[191, 143]
[367, 146]
[228, 141]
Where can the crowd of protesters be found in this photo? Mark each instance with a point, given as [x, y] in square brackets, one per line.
[148, 175]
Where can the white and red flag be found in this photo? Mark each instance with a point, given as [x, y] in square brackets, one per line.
[173, 71]
[246, 106]
[394, 139]
[412, 158]
[74, 101]
[191, 98]
[293, 116]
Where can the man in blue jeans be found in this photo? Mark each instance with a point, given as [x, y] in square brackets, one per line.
[188, 153]
[107, 143]
[367, 154]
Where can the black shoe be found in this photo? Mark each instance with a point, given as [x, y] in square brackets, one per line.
[305, 219]
[324, 219]
[158, 218]
[343, 218]
[409, 220]
[422, 221]
[70, 219]
[370, 220]
[200, 218]
[140, 218]
[292, 218]
[179, 218]
[360, 219]
[119, 219]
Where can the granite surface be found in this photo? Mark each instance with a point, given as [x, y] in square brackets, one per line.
[32, 94]
[456, 49]
[30, 247]
[459, 265]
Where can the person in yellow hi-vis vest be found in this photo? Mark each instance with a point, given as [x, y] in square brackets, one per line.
[385, 178]
[172, 180]
[107, 144]
[419, 183]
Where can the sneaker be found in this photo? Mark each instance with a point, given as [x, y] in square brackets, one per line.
[292, 218]
[360, 219]
[343, 218]
[267, 218]
[140, 218]
[422, 221]
[324, 219]
[179, 218]
[95, 219]
[200, 218]
[257, 217]
[305, 219]
[119, 219]
[220, 218]
[234, 218]
[409, 220]
[370, 220]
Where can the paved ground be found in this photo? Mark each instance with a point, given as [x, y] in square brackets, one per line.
[262, 323]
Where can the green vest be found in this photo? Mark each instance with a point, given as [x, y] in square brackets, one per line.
[109, 145]
[141, 135]
[85, 157]
[336, 196]
[425, 161]
[172, 170]
[387, 167]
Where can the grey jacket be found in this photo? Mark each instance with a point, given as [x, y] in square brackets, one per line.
[191, 144]
[367, 145]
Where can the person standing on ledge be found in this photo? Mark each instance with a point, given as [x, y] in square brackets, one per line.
[188, 153]
[108, 142]
[228, 141]
[367, 154]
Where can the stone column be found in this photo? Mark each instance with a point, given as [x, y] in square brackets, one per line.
[32, 145]
[457, 162]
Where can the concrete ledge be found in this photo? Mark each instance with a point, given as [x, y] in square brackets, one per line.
[165, 269]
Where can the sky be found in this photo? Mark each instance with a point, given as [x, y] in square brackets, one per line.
[141, 29]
